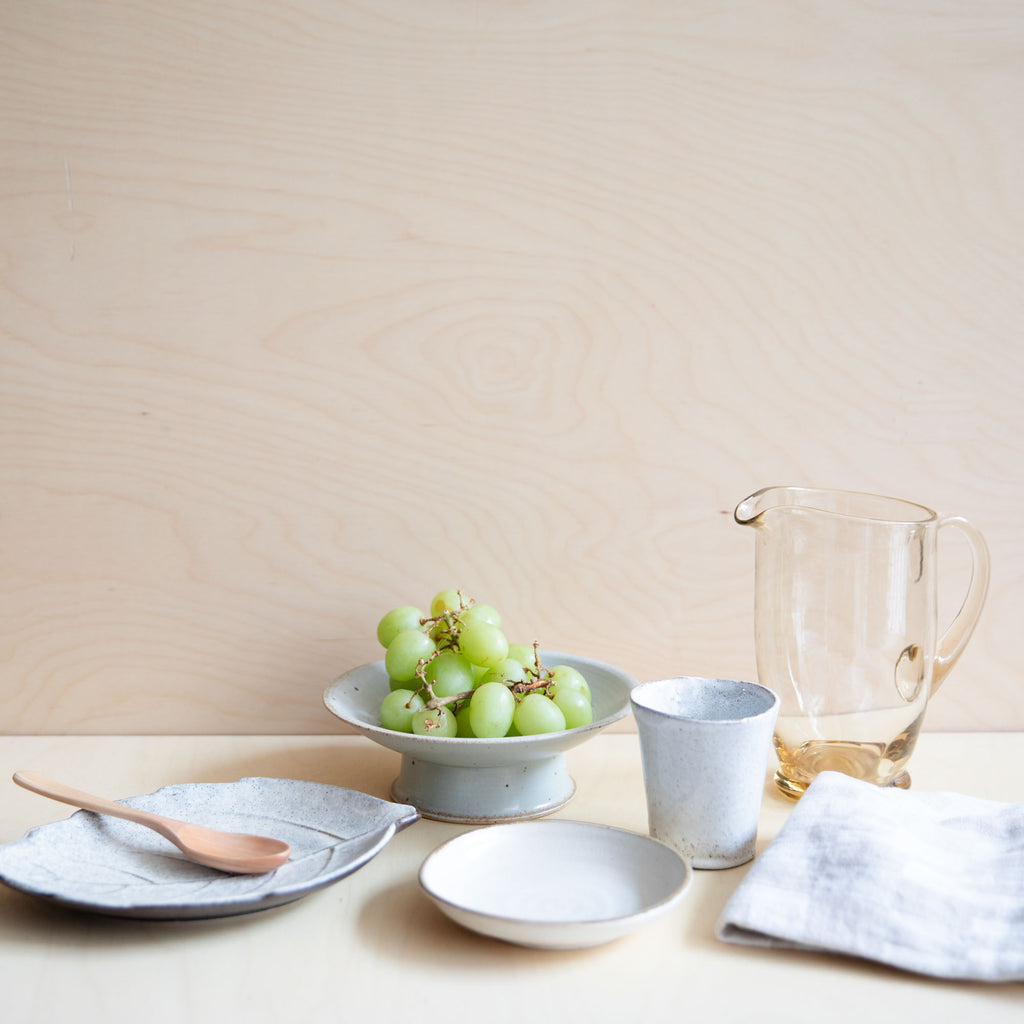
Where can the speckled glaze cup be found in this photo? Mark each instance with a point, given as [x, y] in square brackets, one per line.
[704, 744]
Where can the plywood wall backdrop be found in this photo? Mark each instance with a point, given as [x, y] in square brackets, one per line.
[311, 308]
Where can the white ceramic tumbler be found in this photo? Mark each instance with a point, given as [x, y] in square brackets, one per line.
[704, 744]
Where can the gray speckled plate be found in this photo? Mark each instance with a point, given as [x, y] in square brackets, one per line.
[110, 866]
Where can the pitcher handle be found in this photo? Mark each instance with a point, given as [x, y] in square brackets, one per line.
[954, 640]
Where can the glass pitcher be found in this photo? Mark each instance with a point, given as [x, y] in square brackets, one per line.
[845, 623]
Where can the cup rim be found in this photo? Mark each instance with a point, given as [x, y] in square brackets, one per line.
[637, 693]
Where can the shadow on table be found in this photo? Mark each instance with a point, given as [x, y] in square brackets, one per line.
[402, 922]
[30, 920]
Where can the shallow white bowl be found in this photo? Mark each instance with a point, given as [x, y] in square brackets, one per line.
[477, 781]
[585, 885]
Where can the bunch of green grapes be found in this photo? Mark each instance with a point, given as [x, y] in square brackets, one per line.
[454, 673]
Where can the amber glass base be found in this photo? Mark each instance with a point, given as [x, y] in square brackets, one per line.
[795, 790]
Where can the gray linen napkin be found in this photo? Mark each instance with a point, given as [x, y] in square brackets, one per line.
[926, 882]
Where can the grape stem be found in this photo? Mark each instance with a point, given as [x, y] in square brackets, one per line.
[541, 680]
[452, 623]
[439, 702]
[518, 689]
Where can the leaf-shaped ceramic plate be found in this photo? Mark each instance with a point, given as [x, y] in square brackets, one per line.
[110, 866]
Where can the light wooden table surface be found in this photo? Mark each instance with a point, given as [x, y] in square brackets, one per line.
[371, 947]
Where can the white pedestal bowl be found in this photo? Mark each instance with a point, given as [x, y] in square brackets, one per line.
[481, 781]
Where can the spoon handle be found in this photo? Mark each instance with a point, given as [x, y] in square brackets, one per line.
[44, 786]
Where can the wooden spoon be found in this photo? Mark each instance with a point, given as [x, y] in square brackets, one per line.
[233, 852]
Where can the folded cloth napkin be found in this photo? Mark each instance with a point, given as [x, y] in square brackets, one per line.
[926, 882]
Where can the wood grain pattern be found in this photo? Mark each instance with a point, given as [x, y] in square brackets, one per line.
[312, 308]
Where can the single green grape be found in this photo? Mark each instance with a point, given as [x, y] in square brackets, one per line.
[507, 671]
[404, 653]
[449, 673]
[482, 613]
[524, 654]
[464, 727]
[567, 677]
[395, 621]
[445, 601]
[575, 706]
[536, 714]
[434, 722]
[491, 710]
[484, 644]
[397, 709]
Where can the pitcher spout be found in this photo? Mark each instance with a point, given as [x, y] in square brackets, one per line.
[749, 511]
